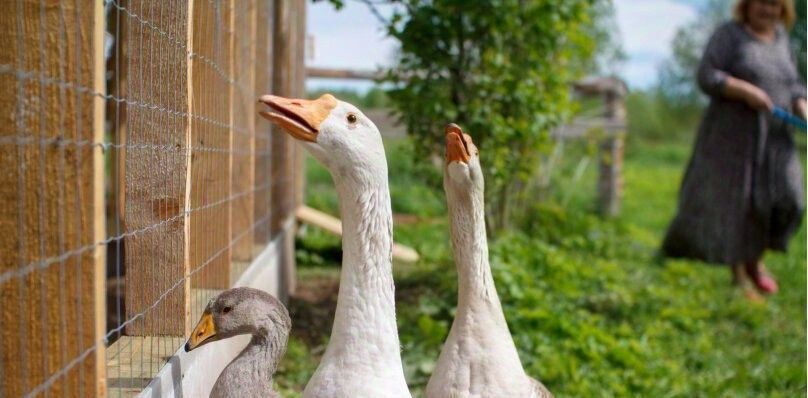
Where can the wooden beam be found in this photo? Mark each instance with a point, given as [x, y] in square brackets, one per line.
[212, 140]
[53, 212]
[334, 73]
[244, 140]
[600, 85]
[300, 89]
[281, 142]
[333, 225]
[155, 179]
[263, 133]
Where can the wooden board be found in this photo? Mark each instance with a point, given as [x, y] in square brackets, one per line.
[333, 225]
[155, 167]
[263, 133]
[52, 213]
[243, 105]
[282, 144]
[132, 361]
[212, 139]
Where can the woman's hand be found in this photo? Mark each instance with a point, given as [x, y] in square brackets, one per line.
[749, 93]
[758, 99]
[799, 107]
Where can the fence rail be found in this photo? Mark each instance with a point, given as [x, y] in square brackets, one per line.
[137, 181]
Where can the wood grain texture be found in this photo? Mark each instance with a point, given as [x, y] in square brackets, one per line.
[282, 144]
[243, 105]
[212, 140]
[288, 80]
[49, 188]
[263, 133]
[155, 177]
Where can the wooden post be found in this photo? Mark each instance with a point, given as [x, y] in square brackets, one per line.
[51, 262]
[156, 180]
[289, 15]
[243, 105]
[212, 140]
[300, 88]
[263, 133]
[610, 182]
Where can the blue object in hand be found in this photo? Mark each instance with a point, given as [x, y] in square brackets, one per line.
[789, 118]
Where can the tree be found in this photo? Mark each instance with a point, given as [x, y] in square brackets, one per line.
[500, 69]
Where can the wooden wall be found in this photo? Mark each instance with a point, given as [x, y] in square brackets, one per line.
[51, 190]
[195, 184]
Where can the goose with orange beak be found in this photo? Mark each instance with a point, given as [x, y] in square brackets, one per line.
[363, 355]
[479, 357]
[238, 311]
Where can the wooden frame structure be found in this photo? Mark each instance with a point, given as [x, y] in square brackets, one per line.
[139, 181]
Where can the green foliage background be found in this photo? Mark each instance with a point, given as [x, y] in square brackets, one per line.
[591, 308]
[500, 69]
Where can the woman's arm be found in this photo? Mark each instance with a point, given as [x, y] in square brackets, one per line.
[799, 107]
[752, 95]
[714, 78]
[712, 73]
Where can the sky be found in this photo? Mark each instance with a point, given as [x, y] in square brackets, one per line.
[353, 38]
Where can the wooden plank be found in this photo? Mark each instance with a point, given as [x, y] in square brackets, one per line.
[334, 73]
[132, 362]
[300, 92]
[156, 178]
[263, 129]
[333, 225]
[282, 145]
[211, 136]
[244, 140]
[52, 204]
[99, 191]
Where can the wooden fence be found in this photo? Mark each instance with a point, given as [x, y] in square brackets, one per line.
[137, 180]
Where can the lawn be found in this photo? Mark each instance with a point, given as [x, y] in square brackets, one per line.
[592, 309]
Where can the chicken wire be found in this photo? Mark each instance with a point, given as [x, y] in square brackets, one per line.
[187, 174]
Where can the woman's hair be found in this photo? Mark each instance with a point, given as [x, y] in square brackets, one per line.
[788, 17]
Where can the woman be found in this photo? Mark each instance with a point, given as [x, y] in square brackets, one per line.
[743, 190]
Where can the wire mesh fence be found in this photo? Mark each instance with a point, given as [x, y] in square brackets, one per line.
[137, 182]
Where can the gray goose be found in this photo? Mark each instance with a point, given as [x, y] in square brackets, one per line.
[238, 311]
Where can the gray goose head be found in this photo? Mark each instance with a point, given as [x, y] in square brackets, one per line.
[243, 310]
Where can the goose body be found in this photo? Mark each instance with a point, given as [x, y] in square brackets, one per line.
[363, 357]
[479, 358]
[238, 311]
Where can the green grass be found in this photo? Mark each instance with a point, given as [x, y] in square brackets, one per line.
[593, 312]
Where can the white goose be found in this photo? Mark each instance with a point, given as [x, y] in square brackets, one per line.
[479, 358]
[363, 356]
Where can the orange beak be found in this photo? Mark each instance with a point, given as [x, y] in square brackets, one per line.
[456, 147]
[298, 117]
[204, 331]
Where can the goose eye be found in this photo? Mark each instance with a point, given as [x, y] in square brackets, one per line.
[351, 118]
[226, 310]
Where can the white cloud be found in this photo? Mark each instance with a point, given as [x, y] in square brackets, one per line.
[646, 29]
[349, 38]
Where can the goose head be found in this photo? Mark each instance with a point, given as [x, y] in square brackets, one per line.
[335, 132]
[241, 310]
[463, 175]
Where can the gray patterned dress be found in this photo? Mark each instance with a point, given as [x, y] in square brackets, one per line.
[743, 190]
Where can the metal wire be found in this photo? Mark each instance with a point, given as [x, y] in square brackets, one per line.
[160, 271]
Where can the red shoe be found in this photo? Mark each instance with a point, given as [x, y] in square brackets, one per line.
[762, 279]
[766, 284]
